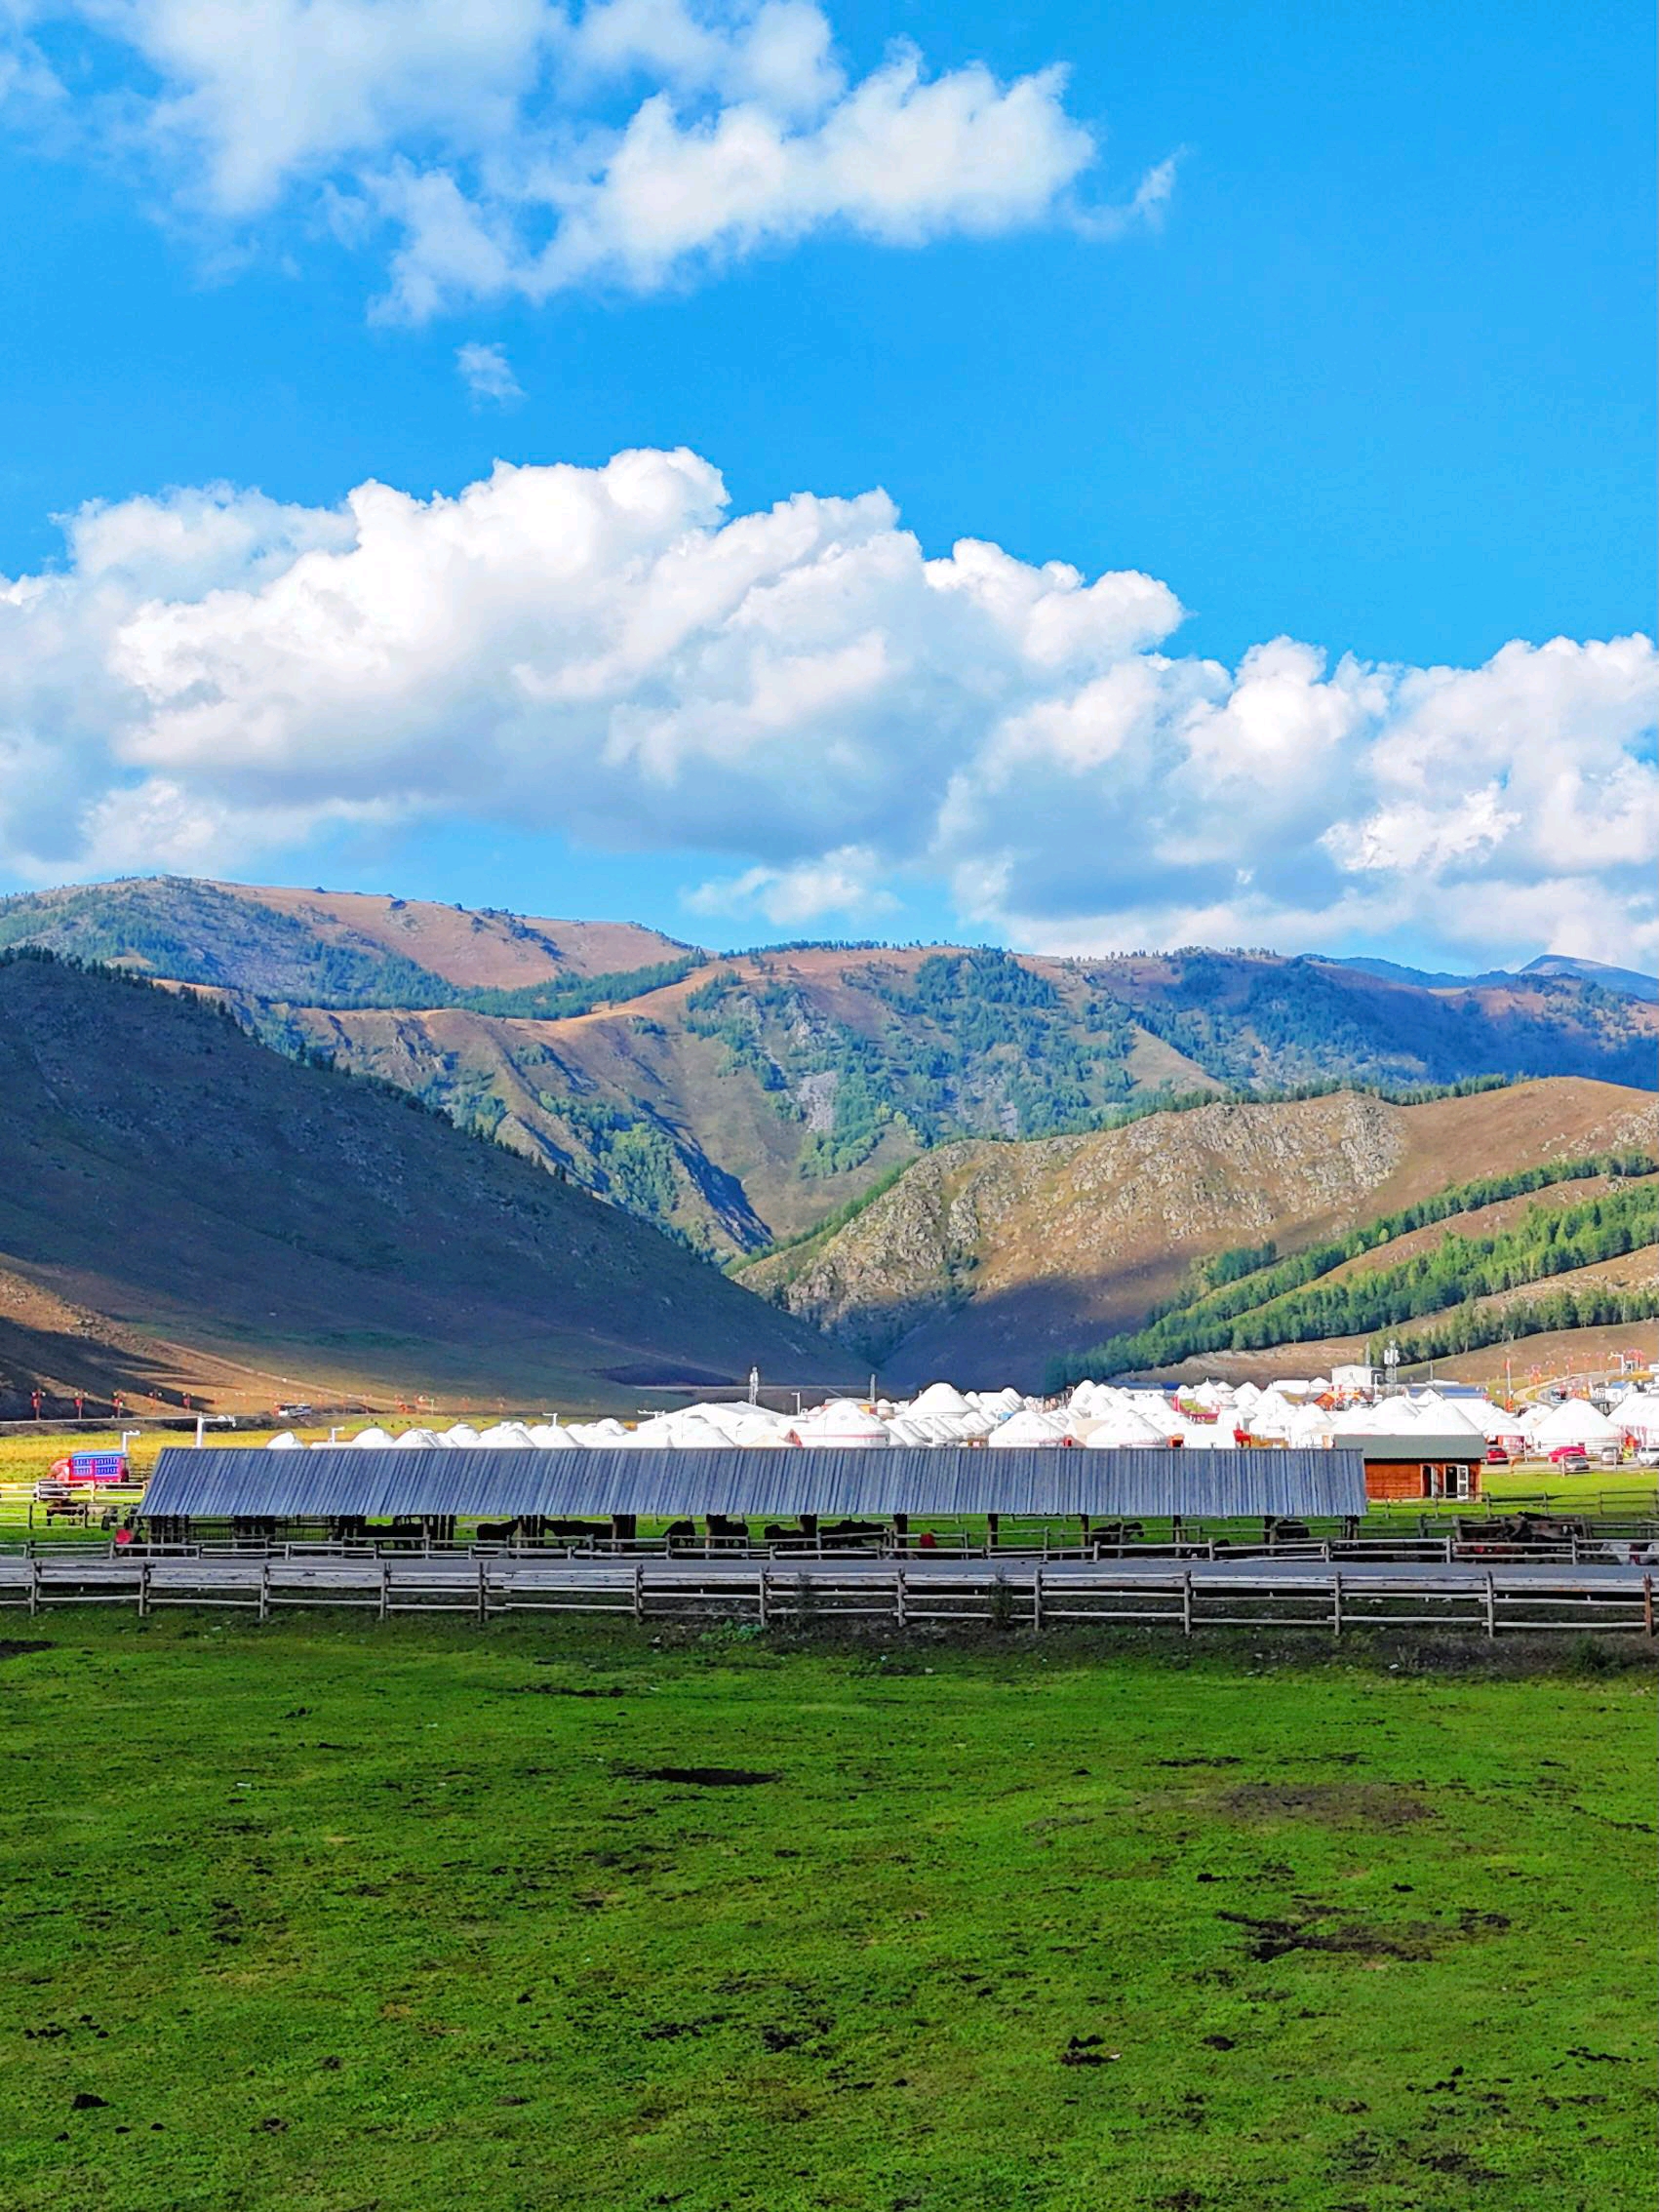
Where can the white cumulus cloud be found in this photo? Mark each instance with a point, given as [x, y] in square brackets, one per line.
[520, 147]
[804, 695]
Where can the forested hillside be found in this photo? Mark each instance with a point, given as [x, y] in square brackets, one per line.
[745, 1101]
[1237, 1226]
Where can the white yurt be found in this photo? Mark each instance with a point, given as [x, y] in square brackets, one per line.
[1126, 1428]
[1027, 1430]
[938, 1397]
[505, 1435]
[1577, 1422]
[1637, 1416]
[843, 1425]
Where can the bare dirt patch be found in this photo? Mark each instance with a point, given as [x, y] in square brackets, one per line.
[1316, 1927]
[1334, 1804]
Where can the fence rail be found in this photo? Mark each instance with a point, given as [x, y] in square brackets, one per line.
[1041, 1598]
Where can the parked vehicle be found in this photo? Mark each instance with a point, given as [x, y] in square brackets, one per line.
[1497, 1455]
[88, 1471]
[1571, 1458]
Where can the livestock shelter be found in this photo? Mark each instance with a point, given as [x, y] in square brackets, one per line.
[807, 1493]
[1416, 1465]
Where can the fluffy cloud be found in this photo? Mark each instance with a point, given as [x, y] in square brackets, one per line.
[610, 654]
[519, 147]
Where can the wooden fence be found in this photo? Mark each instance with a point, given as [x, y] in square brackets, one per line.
[758, 1591]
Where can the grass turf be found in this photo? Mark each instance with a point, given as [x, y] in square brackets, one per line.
[334, 1918]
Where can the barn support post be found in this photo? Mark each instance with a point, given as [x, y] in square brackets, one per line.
[993, 1530]
[1492, 1605]
[1082, 1530]
[1647, 1605]
[1335, 1600]
[1187, 1602]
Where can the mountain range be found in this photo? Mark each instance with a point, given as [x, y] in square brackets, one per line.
[743, 1100]
[187, 1213]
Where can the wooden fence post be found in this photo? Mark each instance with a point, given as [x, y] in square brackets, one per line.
[1647, 1605]
[385, 1587]
[1336, 1603]
[1187, 1602]
[761, 1594]
[143, 1589]
[1037, 1601]
[900, 1608]
[1492, 1605]
[639, 1590]
[34, 1586]
[264, 1590]
[483, 1590]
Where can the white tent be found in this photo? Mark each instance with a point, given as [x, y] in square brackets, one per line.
[418, 1439]
[548, 1436]
[463, 1436]
[843, 1423]
[1577, 1422]
[1637, 1416]
[939, 1398]
[284, 1441]
[506, 1436]
[1126, 1429]
[1027, 1429]
[372, 1439]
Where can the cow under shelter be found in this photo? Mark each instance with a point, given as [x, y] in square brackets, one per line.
[801, 1496]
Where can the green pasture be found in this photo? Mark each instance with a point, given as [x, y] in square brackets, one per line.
[332, 1916]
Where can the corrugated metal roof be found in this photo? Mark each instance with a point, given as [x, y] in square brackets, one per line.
[497, 1485]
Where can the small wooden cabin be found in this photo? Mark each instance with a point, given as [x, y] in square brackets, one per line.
[1405, 1468]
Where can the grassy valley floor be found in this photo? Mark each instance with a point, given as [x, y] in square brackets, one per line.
[335, 1917]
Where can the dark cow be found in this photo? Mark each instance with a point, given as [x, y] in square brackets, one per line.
[576, 1530]
[724, 1531]
[851, 1535]
[679, 1532]
[496, 1532]
[1112, 1535]
[1517, 1531]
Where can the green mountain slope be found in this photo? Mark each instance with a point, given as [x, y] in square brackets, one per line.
[181, 1208]
[745, 1100]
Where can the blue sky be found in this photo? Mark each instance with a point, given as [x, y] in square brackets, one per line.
[1334, 323]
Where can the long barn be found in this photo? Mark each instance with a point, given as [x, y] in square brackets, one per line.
[623, 1487]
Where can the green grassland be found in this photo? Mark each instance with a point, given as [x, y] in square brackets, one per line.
[339, 1918]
